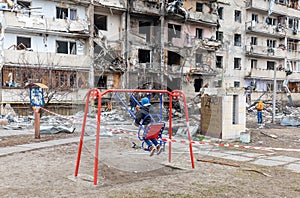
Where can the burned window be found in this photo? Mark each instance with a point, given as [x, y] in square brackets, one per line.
[61, 13]
[173, 58]
[199, 7]
[100, 22]
[253, 40]
[237, 63]
[174, 31]
[199, 58]
[237, 40]
[219, 36]
[144, 56]
[199, 33]
[219, 61]
[144, 28]
[237, 16]
[66, 47]
[253, 64]
[270, 65]
[23, 42]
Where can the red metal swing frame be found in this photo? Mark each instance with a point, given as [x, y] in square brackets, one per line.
[95, 93]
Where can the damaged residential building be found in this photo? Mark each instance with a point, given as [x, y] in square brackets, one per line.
[44, 42]
[152, 44]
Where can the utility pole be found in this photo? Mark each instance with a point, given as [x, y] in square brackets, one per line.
[162, 42]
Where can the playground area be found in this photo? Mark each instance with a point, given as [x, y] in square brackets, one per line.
[125, 169]
[130, 172]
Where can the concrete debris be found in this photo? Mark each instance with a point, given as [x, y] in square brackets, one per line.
[285, 121]
[55, 129]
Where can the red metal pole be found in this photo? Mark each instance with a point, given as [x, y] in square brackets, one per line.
[97, 140]
[82, 133]
[188, 129]
[170, 127]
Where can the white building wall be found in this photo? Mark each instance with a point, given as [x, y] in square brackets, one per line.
[49, 8]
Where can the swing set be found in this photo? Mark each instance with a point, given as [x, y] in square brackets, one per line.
[154, 129]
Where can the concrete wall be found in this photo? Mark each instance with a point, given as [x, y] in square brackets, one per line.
[217, 111]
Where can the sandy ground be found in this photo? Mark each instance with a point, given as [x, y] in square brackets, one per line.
[128, 172]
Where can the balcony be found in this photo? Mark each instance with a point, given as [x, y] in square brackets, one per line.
[22, 57]
[264, 29]
[203, 18]
[18, 23]
[264, 52]
[278, 9]
[264, 74]
[150, 7]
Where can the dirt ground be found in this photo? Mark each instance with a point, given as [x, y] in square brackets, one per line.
[128, 172]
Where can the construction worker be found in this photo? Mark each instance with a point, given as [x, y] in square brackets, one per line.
[259, 108]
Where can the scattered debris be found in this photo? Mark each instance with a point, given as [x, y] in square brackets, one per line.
[260, 172]
[218, 162]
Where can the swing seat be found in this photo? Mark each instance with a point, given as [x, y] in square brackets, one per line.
[154, 130]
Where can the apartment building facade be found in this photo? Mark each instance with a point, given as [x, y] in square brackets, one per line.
[151, 44]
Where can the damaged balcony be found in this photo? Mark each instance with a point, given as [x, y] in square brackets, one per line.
[145, 7]
[19, 23]
[22, 57]
[264, 52]
[203, 18]
[278, 7]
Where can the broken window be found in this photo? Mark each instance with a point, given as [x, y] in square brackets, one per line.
[61, 13]
[65, 47]
[237, 63]
[219, 61]
[270, 65]
[220, 12]
[253, 40]
[73, 14]
[292, 45]
[219, 36]
[174, 31]
[173, 58]
[199, 7]
[23, 42]
[237, 40]
[144, 28]
[144, 56]
[271, 21]
[100, 22]
[198, 83]
[24, 4]
[237, 16]
[253, 64]
[101, 82]
[236, 84]
[255, 17]
[199, 58]
[199, 33]
[271, 43]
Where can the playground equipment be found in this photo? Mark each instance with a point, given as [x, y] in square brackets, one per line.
[153, 130]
